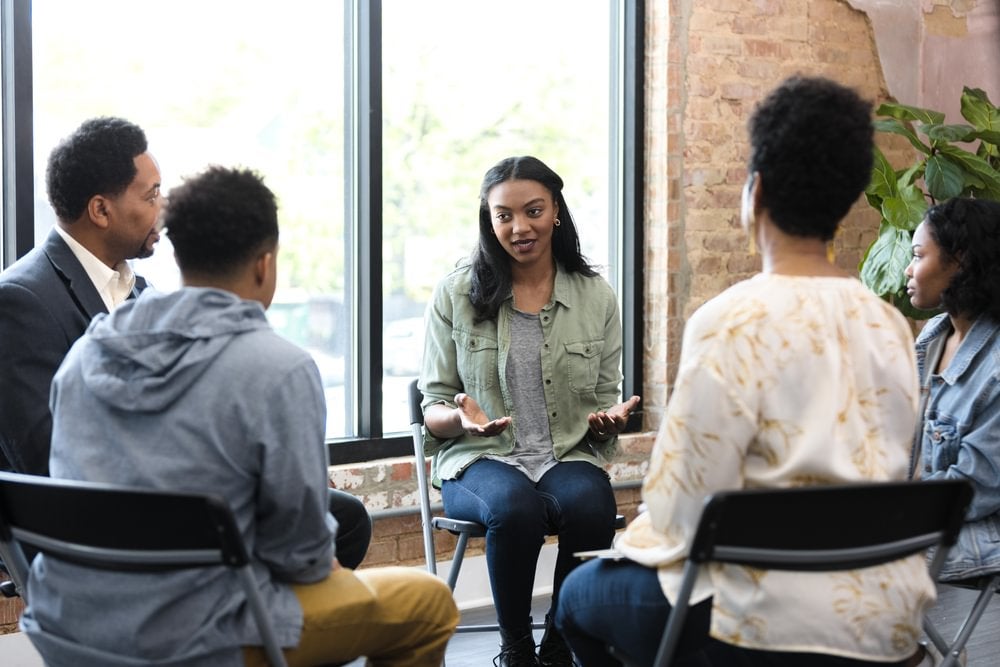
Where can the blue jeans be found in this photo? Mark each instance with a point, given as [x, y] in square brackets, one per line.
[620, 604]
[573, 500]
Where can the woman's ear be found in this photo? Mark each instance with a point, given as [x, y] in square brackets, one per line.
[756, 192]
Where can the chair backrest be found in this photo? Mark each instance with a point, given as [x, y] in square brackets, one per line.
[414, 399]
[113, 527]
[829, 527]
[821, 528]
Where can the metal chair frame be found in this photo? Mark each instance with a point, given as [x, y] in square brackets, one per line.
[951, 651]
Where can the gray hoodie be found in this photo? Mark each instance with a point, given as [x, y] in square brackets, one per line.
[188, 391]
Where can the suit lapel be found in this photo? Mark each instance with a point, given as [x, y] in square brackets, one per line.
[78, 283]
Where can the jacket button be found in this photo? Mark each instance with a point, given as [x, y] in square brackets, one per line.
[927, 468]
[936, 436]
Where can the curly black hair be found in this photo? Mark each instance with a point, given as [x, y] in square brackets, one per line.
[219, 220]
[967, 232]
[97, 159]
[491, 274]
[811, 141]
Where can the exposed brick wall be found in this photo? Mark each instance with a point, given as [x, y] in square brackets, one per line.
[708, 63]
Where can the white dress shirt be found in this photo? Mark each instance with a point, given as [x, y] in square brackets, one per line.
[114, 285]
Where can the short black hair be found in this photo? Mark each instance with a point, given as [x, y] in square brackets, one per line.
[97, 159]
[812, 142]
[220, 219]
[967, 231]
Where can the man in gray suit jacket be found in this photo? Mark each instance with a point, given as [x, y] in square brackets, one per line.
[105, 189]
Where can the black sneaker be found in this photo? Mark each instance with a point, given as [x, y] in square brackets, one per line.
[553, 651]
[518, 653]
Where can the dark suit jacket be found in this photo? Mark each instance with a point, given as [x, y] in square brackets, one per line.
[46, 302]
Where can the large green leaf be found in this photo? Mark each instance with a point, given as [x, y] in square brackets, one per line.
[910, 176]
[944, 178]
[885, 261]
[906, 112]
[978, 166]
[958, 132]
[988, 136]
[896, 127]
[883, 183]
[906, 210]
[978, 110]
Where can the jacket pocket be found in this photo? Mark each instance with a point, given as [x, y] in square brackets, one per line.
[477, 360]
[944, 440]
[584, 364]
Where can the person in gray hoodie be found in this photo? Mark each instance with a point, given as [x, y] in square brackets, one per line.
[193, 391]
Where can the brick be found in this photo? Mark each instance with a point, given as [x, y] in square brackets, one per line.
[402, 472]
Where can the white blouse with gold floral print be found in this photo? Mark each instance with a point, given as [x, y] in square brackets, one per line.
[788, 381]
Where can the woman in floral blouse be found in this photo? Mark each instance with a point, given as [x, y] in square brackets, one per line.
[797, 376]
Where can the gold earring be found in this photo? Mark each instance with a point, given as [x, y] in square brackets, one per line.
[557, 223]
[831, 253]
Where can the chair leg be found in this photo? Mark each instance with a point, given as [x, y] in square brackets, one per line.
[456, 561]
[951, 652]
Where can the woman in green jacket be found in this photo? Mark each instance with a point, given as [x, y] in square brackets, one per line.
[521, 379]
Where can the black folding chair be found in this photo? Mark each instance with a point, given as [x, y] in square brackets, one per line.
[463, 530]
[818, 529]
[110, 527]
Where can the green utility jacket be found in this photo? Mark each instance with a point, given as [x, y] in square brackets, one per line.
[581, 359]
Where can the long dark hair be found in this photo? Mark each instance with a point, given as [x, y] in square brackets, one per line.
[491, 275]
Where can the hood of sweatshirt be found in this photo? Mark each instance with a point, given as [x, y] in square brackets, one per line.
[150, 350]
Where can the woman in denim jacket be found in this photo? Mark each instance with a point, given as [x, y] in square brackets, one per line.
[956, 267]
[521, 379]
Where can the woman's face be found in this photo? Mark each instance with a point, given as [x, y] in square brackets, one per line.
[929, 272]
[523, 217]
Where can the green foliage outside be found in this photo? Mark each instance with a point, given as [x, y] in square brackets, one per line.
[952, 160]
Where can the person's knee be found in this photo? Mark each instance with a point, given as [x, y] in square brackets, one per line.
[412, 594]
[354, 527]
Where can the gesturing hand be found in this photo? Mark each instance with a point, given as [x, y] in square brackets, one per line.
[474, 420]
[605, 425]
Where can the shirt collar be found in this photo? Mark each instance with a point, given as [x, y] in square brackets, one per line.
[982, 332]
[114, 285]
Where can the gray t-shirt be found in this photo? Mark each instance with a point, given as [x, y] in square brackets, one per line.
[533, 442]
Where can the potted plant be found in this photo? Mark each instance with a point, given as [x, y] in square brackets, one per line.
[952, 160]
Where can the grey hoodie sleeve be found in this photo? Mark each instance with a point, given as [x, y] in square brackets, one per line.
[295, 531]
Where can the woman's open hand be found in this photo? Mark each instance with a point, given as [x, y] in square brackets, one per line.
[608, 424]
[475, 421]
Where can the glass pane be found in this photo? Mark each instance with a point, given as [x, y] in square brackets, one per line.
[222, 82]
[466, 84]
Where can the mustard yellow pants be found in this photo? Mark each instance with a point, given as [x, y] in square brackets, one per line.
[395, 616]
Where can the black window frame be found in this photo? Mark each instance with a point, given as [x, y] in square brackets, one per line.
[363, 184]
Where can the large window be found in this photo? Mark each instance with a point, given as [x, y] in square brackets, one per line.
[373, 122]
